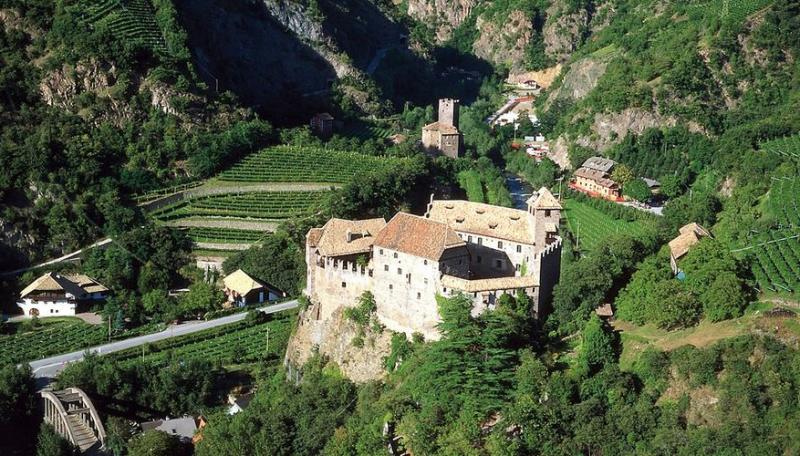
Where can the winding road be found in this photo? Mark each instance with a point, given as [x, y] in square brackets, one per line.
[45, 370]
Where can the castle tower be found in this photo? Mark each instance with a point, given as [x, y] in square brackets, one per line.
[546, 213]
[448, 112]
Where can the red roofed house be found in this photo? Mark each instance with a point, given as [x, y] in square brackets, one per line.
[594, 178]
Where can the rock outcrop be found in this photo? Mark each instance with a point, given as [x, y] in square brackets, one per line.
[506, 42]
[581, 77]
[443, 16]
[333, 338]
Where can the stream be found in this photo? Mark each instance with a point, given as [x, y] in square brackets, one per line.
[519, 189]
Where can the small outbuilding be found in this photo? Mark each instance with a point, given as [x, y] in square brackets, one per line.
[242, 289]
[690, 235]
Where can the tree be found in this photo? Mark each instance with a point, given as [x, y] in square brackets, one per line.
[18, 401]
[156, 443]
[622, 174]
[724, 298]
[201, 297]
[673, 306]
[637, 189]
[51, 444]
[597, 346]
[277, 261]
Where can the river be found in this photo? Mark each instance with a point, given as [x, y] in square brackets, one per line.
[520, 190]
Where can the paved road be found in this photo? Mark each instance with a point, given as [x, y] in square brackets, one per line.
[44, 370]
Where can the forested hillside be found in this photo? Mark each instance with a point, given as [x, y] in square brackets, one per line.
[101, 101]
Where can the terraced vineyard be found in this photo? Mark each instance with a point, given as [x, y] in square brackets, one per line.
[730, 10]
[303, 164]
[224, 235]
[259, 205]
[240, 342]
[55, 338]
[776, 253]
[591, 226]
[786, 147]
[129, 20]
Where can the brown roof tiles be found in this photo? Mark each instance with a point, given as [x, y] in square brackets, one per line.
[417, 236]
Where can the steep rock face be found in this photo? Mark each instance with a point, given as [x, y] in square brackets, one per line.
[504, 43]
[562, 33]
[294, 17]
[609, 129]
[443, 16]
[333, 337]
[581, 77]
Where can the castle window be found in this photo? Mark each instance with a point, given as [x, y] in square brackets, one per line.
[444, 290]
[480, 241]
[499, 244]
[547, 212]
[425, 280]
[399, 270]
[469, 238]
[419, 295]
[519, 249]
[516, 267]
[391, 286]
[344, 284]
[385, 267]
[395, 254]
[381, 251]
[425, 262]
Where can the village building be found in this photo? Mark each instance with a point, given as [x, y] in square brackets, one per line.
[536, 147]
[184, 428]
[690, 235]
[443, 136]
[322, 125]
[594, 179]
[653, 185]
[53, 294]
[457, 247]
[241, 289]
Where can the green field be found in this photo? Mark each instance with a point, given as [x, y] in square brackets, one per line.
[303, 164]
[260, 205]
[591, 226]
[236, 343]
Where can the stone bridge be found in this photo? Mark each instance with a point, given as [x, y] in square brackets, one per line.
[73, 416]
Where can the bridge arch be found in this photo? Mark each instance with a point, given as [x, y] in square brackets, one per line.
[73, 416]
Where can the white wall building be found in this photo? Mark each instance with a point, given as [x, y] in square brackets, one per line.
[55, 295]
[476, 249]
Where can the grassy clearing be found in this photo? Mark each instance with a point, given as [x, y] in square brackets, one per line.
[592, 226]
[636, 339]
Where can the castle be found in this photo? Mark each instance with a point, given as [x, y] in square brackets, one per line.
[476, 249]
[443, 136]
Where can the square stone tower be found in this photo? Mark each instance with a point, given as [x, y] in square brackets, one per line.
[448, 112]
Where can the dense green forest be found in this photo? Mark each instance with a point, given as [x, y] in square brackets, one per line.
[101, 103]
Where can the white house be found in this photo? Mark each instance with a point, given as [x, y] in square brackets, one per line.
[54, 294]
[241, 289]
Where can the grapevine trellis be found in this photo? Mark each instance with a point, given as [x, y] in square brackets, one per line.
[130, 20]
[51, 340]
[258, 205]
[592, 226]
[224, 235]
[236, 343]
[730, 10]
[303, 164]
[776, 252]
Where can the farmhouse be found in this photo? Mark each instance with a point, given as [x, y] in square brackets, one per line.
[457, 247]
[54, 294]
[594, 178]
[442, 136]
[689, 236]
[242, 289]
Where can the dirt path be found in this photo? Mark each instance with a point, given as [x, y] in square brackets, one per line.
[238, 224]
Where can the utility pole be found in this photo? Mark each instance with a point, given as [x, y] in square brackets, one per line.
[267, 354]
[109, 328]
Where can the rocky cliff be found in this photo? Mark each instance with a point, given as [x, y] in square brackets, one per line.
[334, 338]
[504, 43]
[443, 16]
